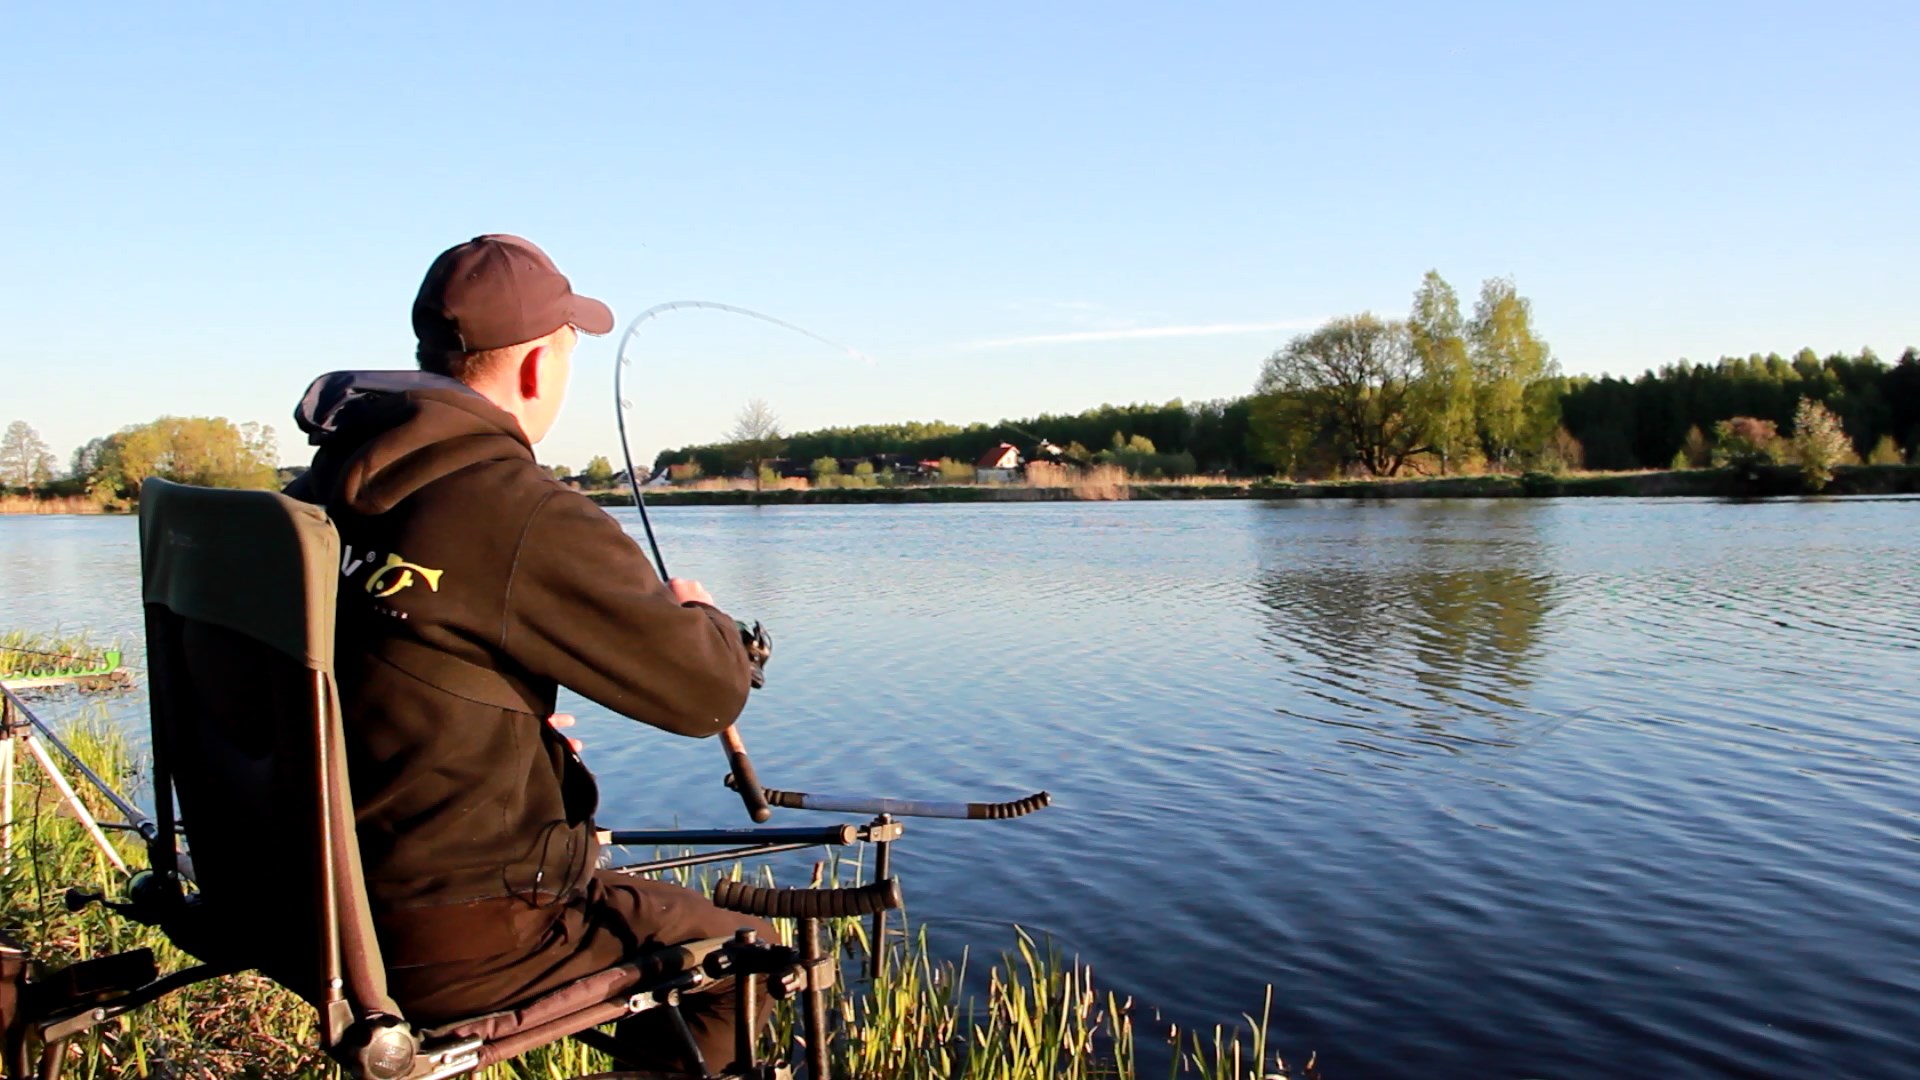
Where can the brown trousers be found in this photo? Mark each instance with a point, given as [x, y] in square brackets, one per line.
[619, 916]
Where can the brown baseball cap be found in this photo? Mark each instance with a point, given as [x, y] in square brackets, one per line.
[498, 290]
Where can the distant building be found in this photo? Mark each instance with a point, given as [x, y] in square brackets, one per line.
[998, 465]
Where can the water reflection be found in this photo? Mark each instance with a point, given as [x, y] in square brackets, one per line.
[1407, 630]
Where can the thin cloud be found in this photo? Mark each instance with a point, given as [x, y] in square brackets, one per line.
[1138, 333]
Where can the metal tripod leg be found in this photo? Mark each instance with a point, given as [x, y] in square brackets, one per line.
[6, 789]
[882, 870]
[71, 798]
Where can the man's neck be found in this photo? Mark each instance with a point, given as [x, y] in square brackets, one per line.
[501, 393]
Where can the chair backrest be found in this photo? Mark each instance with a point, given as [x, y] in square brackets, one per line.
[239, 589]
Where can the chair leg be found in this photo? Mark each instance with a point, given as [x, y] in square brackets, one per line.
[615, 1049]
[746, 989]
[53, 1057]
[813, 999]
[686, 1037]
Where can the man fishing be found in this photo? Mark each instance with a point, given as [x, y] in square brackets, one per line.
[473, 585]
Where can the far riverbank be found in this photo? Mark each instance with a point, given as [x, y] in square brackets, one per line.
[1771, 482]
[1779, 481]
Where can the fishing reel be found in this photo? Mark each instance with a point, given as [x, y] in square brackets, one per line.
[759, 645]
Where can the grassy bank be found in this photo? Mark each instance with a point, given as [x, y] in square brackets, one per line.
[1033, 1014]
[1773, 481]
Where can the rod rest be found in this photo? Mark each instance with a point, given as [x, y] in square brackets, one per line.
[1039, 800]
[972, 811]
[808, 903]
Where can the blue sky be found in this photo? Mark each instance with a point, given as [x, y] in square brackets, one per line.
[1006, 208]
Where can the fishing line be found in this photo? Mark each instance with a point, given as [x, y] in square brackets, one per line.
[760, 801]
[621, 404]
[758, 643]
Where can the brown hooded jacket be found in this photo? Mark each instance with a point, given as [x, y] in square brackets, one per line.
[473, 585]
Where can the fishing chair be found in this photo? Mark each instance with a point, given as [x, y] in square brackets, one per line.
[239, 590]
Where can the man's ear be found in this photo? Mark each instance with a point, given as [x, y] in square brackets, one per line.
[529, 374]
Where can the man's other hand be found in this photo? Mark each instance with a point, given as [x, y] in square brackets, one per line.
[690, 592]
[565, 720]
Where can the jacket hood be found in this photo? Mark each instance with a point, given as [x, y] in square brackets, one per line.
[327, 397]
[384, 435]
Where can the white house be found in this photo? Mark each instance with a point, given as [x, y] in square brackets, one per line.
[997, 466]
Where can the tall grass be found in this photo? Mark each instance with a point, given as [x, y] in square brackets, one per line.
[1040, 1016]
[1101, 483]
[54, 504]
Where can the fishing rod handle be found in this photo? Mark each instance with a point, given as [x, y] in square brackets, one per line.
[808, 903]
[743, 779]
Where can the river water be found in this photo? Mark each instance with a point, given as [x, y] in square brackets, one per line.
[1581, 788]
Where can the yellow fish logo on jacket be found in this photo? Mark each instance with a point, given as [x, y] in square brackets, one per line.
[398, 574]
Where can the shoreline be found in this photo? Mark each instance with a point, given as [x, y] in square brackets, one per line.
[1773, 481]
[1776, 481]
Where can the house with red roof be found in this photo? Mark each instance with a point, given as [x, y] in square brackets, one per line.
[999, 465]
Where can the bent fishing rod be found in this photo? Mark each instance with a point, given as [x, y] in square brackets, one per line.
[758, 642]
[760, 801]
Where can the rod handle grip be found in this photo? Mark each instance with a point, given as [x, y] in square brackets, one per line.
[746, 781]
[790, 903]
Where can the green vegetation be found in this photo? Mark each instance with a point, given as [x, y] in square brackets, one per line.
[209, 451]
[1041, 1016]
[1137, 456]
[1434, 393]
[1745, 443]
[1886, 452]
[1347, 390]
[754, 440]
[598, 473]
[1640, 423]
[1214, 433]
[1819, 444]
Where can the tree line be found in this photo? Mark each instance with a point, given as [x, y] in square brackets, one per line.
[207, 451]
[1214, 433]
[1651, 421]
[1439, 391]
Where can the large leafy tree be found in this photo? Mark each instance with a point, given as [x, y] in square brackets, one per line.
[1509, 363]
[598, 473]
[97, 461]
[25, 461]
[208, 451]
[1284, 431]
[1819, 443]
[1445, 395]
[755, 437]
[1356, 377]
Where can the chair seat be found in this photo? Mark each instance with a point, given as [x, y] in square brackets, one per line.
[651, 970]
[603, 997]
